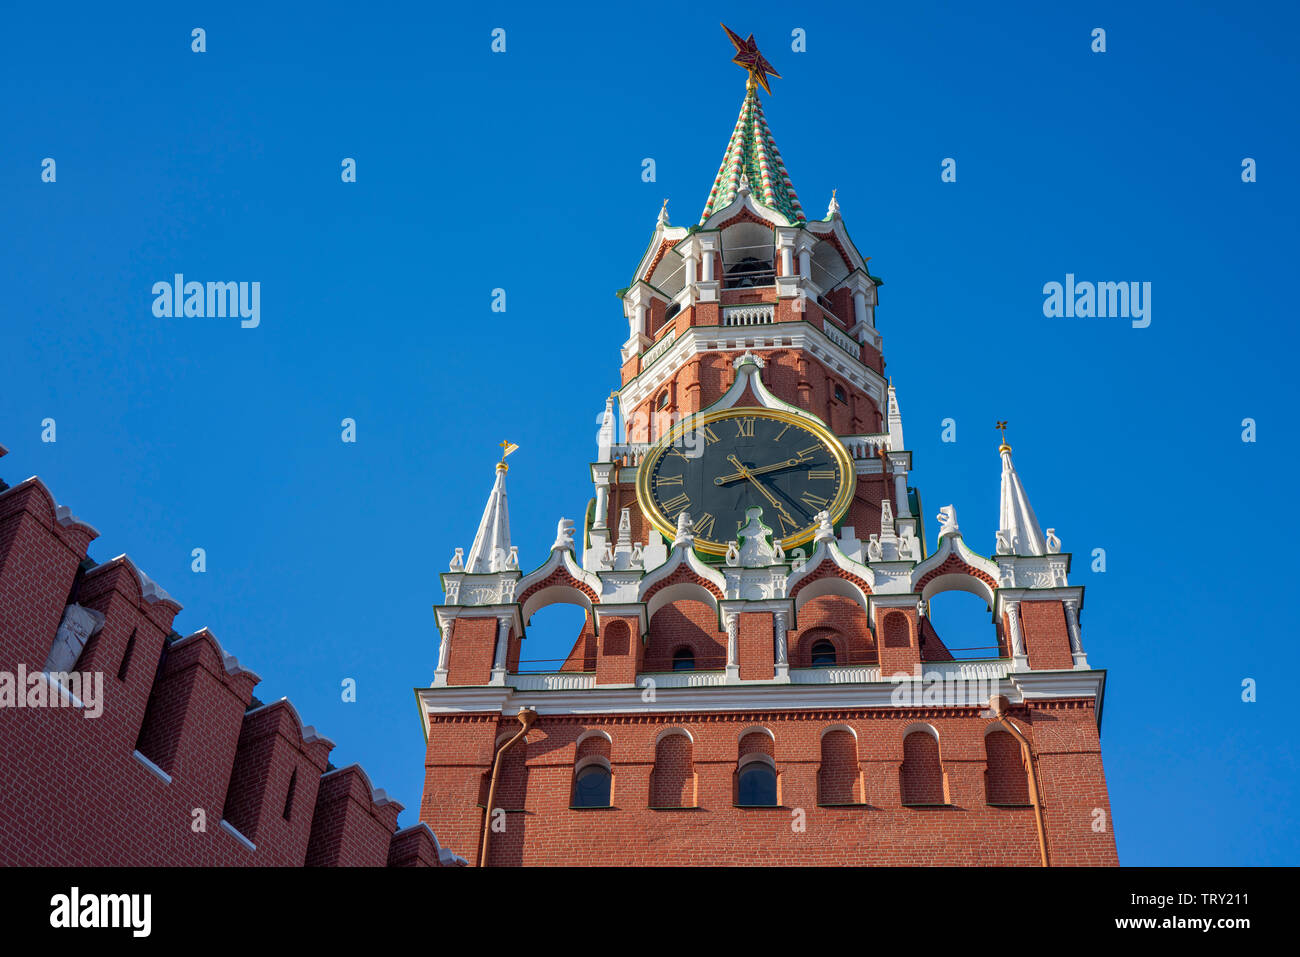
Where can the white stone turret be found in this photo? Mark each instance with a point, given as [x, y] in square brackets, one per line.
[491, 549]
[894, 422]
[1018, 529]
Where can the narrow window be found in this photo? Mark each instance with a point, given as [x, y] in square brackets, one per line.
[663, 400]
[288, 798]
[683, 660]
[126, 657]
[839, 394]
[823, 654]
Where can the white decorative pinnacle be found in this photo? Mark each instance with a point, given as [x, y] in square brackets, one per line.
[948, 521]
[1018, 529]
[663, 217]
[564, 535]
[491, 549]
[747, 357]
[605, 437]
[833, 209]
[825, 530]
[685, 531]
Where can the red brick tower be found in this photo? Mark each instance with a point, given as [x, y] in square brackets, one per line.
[758, 680]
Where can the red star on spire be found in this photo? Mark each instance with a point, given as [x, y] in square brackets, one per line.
[747, 55]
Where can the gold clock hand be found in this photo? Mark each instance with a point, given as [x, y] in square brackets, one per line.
[759, 485]
[723, 480]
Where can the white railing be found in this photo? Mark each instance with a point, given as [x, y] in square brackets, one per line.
[755, 314]
[843, 341]
[553, 681]
[628, 453]
[866, 446]
[843, 674]
[967, 670]
[684, 679]
[659, 348]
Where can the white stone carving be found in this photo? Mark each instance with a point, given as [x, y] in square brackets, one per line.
[948, 521]
[458, 561]
[825, 530]
[685, 531]
[1053, 543]
[874, 552]
[75, 629]
[733, 553]
[563, 536]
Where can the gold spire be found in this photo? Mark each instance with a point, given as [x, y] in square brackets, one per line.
[506, 448]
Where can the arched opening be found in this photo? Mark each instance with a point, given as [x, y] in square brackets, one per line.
[838, 778]
[756, 784]
[958, 626]
[822, 654]
[684, 625]
[592, 786]
[921, 778]
[556, 638]
[672, 782]
[684, 659]
[1005, 778]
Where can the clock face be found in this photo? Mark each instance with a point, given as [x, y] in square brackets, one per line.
[717, 465]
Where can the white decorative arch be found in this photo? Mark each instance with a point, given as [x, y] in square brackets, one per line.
[752, 729]
[958, 581]
[680, 591]
[830, 585]
[556, 594]
[669, 732]
[755, 757]
[588, 761]
[592, 733]
[922, 726]
[840, 727]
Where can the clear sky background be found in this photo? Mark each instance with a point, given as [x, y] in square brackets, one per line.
[522, 171]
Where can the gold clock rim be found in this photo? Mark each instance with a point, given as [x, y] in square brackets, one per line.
[839, 505]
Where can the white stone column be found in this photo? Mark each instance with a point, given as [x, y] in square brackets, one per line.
[787, 261]
[860, 308]
[602, 506]
[708, 265]
[1019, 660]
[779, 631]
[499, 659]
[444, 652]
[805, 264]
[733, 643]
[1076, 639]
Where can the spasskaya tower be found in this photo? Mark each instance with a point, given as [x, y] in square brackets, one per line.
[757, 656]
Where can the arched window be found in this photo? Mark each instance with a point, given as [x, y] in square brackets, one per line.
[591, 786]
[756, 785]
[672, 783]
[921, 774]
[838, 778]
[1005, 781]
[683, 659]
[672, 310]
[823, 654]
[839, 394]
[663, 400]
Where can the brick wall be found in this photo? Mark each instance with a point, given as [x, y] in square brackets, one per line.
[177, 749]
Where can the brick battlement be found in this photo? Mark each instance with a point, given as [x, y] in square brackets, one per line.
[183, 766]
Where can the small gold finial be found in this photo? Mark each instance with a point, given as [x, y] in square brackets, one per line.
[1002, 427]
[506, 448]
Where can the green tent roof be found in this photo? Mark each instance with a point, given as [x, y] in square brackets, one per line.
[753, 153]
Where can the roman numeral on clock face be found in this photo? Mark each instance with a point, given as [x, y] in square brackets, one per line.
[787, 526]
[704, 525]
[677, 503]
[821, 473]
[709, 435]
[745, 428]
[809, 452]
[814, 501]
[662, 481]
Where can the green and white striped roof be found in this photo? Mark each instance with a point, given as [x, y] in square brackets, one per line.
[752, 153]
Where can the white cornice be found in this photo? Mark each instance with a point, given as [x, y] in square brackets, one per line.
[763, 695]
[800, 335]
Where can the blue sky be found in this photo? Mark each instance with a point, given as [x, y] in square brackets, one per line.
[522, 171]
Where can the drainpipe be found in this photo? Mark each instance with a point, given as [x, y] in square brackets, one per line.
[526, 717]
[999, 705]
